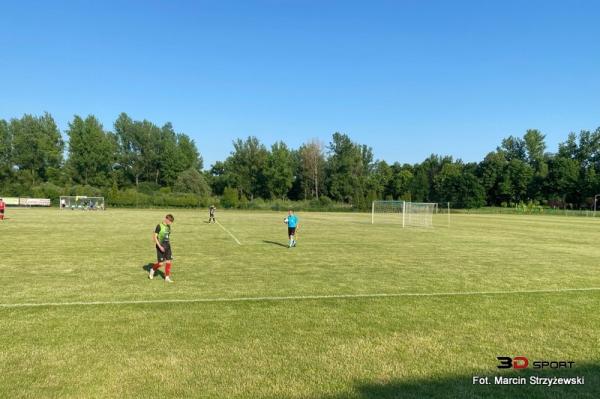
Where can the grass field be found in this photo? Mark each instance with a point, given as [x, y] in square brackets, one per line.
[355, 311]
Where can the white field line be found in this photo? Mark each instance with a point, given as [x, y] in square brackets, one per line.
[229, 232]
[294, 298]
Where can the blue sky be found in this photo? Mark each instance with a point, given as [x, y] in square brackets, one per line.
[408, 78]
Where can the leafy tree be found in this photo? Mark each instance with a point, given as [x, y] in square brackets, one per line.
[535, 147]
[37, 146]
[513, 148]
[312, 168]
[192, 181]
[279, 171]
[188, 152]
[91, 152]
[422, 186]
[584, 150]
[230, 198]
[569, 148]
[5, 150]
[149, 153]
[399, 184]
[563, 177]
[220, 177]
[459, 186]
[521, 175]
[378, 180]
[153, 159]
[168, 165]
[494, 178]
[247, 164]
[503, 178]
[131, 143]
[346, 169]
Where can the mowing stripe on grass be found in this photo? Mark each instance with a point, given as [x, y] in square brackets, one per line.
[229, 232]
[293, 298]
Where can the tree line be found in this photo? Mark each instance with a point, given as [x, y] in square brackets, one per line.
[139, 158]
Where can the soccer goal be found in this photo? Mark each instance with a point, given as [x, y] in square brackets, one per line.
[419, 214]
[82, 202]
[416, 214]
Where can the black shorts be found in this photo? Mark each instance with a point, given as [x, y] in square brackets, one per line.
[163, 256]
[1, 210]
[291, 231]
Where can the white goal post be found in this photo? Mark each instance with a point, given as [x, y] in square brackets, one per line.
[415, 214]
[81, 202]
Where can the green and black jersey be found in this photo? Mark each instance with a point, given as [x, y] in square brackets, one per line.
[163, 231]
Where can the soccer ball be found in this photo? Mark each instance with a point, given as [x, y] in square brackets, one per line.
[285, 220]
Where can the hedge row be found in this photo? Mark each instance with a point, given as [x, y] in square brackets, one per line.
[163, 198]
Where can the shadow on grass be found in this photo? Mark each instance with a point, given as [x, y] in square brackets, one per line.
[463, 387]
[275, 243]
[147, 268]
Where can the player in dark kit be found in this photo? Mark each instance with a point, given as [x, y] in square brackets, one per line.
[211, 214]
[162, 241]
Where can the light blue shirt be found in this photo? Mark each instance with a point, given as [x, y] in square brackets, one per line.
[292, 221]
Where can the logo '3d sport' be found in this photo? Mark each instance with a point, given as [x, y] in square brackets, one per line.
[521, 362]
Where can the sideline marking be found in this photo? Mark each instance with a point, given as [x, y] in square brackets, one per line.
[292, 298]
[229, 232]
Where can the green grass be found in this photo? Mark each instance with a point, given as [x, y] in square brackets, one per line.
[369, 347]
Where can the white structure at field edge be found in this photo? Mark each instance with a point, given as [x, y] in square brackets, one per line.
[416, 214]
[81, 202]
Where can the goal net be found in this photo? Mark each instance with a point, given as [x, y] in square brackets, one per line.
[417, 214]
[387, 212]
[81, 202]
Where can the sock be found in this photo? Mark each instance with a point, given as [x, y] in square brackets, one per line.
[168, 269]
[156, 266]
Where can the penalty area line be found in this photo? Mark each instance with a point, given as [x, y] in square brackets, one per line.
[293, 298]
[229, 232]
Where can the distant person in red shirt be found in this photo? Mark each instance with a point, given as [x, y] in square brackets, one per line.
[2, 206]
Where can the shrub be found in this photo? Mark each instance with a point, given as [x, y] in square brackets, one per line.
[243, 203]
[257, 203]
[191, 181]
[47, 190]
[230, 198]
[148, 187]
[325, 201]
[85, 190]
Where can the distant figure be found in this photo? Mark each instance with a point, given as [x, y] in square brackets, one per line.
[211, 214]
[63, 203]
[292, 223]
[162, 241]
[2, 206]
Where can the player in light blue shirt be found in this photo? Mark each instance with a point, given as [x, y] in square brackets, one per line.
[292, 223]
